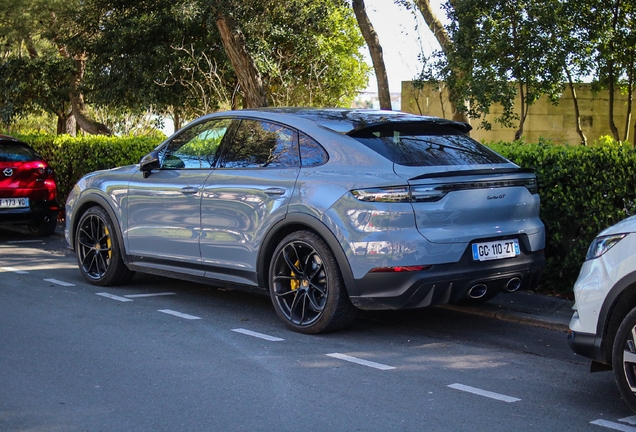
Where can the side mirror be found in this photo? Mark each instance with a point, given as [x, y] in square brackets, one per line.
[149, 162]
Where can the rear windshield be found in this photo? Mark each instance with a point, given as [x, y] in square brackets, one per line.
[16, 152]
[426, 145]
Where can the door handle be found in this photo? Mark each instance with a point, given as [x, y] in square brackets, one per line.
[189, 190]
[274, 191]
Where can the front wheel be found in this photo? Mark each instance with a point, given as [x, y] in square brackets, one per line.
[306, 286]
[98, 251]
[624, 359]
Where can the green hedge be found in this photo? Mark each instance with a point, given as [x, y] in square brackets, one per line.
[72, 157]
[583, 191]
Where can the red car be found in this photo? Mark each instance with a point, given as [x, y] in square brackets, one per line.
[28, 192]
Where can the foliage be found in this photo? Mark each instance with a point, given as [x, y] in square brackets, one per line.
[583, 189]
[72, 157]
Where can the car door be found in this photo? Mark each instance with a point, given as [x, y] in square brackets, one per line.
[164, 219]
[245, 195]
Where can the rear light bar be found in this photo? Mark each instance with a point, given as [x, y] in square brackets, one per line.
[435, 192]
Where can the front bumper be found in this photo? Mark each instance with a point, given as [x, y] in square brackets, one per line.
[584, 344]
[445, 283]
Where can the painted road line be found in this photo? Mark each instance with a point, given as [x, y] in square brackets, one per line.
[114, 297]
[25, 241]
[179, 314]
[13, 270]
[484, 393]
[631, 420]
[258, 335]
[59, 282]
[149, 295]
[360, 361]
[613, 426]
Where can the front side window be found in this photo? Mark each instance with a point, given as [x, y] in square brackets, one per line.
[260, 144]
[426, 145]
[196, 147]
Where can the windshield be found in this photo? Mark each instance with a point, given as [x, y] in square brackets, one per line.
[16, 152]
[426, 145]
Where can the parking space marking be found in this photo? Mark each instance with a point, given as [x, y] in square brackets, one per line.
[13, 270]
[24, 241]
[631, 420]
[179, 314]
[613, 426]
[258, 335]
[59, 282]
[484, 393]
[360, 361]
[149, 295]
[113, 297]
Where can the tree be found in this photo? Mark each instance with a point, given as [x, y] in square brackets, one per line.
[375, 49]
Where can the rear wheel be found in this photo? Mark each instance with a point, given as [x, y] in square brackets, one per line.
[98, 251]
[624, 359]
[306, 286]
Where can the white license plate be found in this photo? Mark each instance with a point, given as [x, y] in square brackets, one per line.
[497, 249]
[14, 202]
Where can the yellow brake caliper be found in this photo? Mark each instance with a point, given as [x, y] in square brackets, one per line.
[108, 242]
[295, 283]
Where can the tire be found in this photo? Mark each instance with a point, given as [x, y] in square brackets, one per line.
[43, 228]
[98, 252]
[624, 359]
[306, 286]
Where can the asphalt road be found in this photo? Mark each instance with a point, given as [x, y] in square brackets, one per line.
[167, 355]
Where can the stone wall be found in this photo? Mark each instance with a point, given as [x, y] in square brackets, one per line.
[554, 122]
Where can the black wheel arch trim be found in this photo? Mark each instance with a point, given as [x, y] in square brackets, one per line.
[610, 306]
[95, 199]
[316, 225]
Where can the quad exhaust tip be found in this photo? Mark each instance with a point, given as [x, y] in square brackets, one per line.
[478, 291]
[513, 284]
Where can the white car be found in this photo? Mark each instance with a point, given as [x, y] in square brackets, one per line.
[603, 327]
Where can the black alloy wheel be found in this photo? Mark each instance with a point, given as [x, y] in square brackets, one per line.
[306, 286]
[97, 248]
[624, 359]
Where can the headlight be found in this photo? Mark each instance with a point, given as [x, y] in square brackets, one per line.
[600, 245]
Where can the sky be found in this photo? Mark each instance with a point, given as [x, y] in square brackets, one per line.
[403, 37]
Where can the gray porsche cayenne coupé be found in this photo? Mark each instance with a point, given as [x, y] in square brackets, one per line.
[327, 210]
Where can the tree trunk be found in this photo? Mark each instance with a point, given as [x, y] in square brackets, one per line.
[375, 49]
[630, 99]
[524, 112]
[444, 40]
[79, 107]
[247, 73]
[577, 111]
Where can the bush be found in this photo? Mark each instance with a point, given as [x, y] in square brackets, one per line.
[72, 157]
[583, 191]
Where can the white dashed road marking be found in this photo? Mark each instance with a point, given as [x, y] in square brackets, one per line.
[613, 426]
[24, 241]
[149, 295]
[13, 270]
[360, 361]
[484, 393]
[179, 314]
[631, 420]
[114, 297]
[258, 335]
[59, 282]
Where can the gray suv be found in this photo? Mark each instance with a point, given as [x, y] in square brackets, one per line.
[326, 210]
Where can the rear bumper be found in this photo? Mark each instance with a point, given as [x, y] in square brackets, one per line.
[445, 283]
[38, 210]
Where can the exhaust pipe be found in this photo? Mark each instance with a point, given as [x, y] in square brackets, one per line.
[478, 291]
[513, 284]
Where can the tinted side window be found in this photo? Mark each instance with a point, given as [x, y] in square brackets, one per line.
[196, 147]
[259, 144]
[16, 152]
[311, 153]
[414, 145]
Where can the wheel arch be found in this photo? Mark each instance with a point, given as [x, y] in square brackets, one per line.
[618, 303]
[94, 200]
[297, 222]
